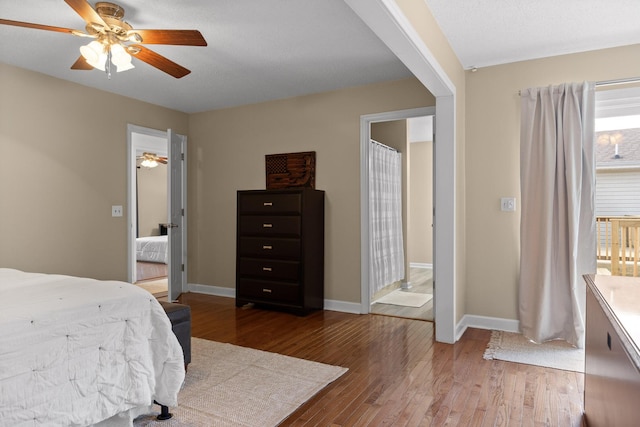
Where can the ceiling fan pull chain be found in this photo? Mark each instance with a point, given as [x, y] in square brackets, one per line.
[107, 67]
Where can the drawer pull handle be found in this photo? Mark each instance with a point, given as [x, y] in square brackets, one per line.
[267, 225]
[266, 290]
[269, 247]
[266, 269]
[267, 204]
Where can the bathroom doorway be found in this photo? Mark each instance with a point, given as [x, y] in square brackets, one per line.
[412, 295]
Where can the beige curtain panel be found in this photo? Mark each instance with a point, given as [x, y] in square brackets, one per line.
[557, 230]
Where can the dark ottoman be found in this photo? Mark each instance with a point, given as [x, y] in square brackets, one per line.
[180, 317]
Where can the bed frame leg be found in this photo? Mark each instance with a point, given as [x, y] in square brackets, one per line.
[164, 412]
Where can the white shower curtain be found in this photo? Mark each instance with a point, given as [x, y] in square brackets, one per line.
[557, 230]
[385, 206]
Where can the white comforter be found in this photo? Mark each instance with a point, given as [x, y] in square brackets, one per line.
[152, 249]
[76, 351]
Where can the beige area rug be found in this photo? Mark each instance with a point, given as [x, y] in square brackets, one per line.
[404, 298]
[513, 347]
[228, 385]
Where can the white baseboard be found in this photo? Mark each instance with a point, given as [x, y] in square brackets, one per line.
[342, 306]
[421, 265]
[484, 322]
[218, 291]
[332, 305]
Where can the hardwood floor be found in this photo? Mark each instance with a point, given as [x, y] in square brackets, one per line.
[150, 270]
[398, 375]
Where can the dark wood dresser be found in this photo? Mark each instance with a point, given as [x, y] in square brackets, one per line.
[280, 249]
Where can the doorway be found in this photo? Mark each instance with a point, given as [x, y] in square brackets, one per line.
[157, 214]
[412, 295]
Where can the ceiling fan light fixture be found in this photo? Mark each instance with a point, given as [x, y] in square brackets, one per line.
[120, 58]
[94, 54]
[124, 67]
[149, 163]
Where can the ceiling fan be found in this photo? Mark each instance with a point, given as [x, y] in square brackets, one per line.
[151, 160]
[115, 41]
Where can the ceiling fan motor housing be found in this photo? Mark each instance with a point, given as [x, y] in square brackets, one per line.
[112, 15]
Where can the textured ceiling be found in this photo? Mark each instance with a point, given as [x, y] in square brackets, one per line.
[491, 32]
[270, 49]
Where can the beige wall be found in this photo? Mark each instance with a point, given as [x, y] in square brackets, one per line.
[420, 230]
[492, 153]
[226, 154]
[152, 199]
[62, 167]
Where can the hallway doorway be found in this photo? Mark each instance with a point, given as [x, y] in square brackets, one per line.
[157, 227]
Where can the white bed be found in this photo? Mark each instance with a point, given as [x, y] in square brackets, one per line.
[77, 351]
[152, 249]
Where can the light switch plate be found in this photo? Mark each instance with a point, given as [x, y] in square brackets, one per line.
[508, 204]
[116, 211]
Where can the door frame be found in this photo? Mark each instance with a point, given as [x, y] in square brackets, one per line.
[365, 214]
[150, 145]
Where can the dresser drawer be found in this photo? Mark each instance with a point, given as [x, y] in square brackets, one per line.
[269, 247]
[269, 269]
[268, 291]
[265, 203]
[269, 225]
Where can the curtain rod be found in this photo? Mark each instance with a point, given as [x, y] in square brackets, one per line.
[611, 82]
[373, 141]
[618, 81]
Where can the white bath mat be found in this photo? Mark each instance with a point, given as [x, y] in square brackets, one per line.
[404, 298]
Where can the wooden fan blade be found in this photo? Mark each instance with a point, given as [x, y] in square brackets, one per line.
[86, 12]
[158, 61]
[172, 37]
[81, 64]
[38, 26]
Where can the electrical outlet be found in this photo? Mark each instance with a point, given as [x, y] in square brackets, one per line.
[116, 211]
[508, 204]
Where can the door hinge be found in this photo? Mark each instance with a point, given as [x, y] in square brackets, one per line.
[182, 267]
[181, 156]
[182, 211]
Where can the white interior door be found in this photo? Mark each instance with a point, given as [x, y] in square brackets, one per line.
[177, 209]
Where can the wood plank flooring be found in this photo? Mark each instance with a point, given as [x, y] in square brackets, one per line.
[398, 375]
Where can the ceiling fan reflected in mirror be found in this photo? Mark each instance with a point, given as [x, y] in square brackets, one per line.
[151, 160]
[116, 42]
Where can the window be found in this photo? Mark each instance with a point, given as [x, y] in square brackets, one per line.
[617, 163]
